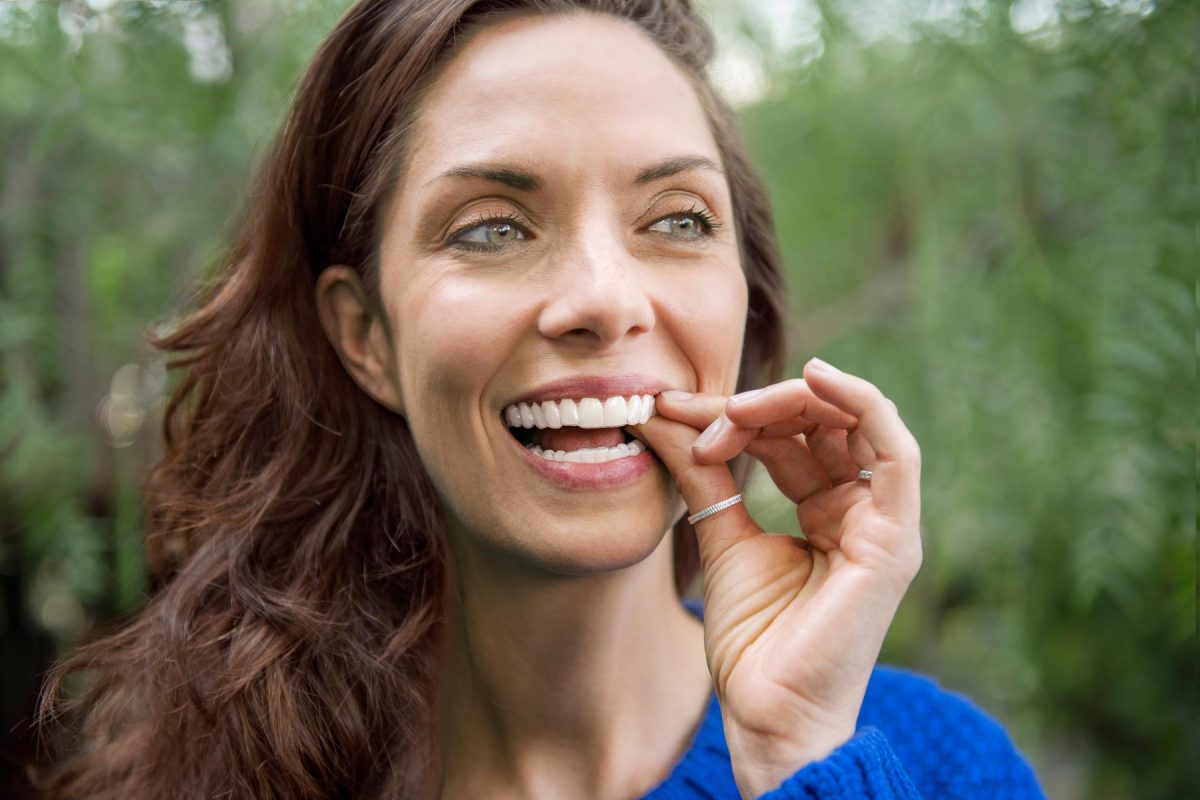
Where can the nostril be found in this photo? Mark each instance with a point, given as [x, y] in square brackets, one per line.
[584, 334]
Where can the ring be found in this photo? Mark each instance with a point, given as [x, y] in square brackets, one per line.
[714, 508]
[864, 474]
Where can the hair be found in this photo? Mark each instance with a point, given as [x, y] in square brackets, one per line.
[290, 648]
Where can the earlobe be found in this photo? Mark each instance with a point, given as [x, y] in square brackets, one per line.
[357, 334]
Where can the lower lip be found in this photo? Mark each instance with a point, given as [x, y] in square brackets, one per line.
[580, 477]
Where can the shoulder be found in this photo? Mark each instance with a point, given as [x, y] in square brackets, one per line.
[949, 745]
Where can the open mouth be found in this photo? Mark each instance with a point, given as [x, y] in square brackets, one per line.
[586, 430]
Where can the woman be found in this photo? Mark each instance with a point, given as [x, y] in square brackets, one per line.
[424, 554]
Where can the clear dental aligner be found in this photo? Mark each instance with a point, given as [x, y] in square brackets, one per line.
[587, 412]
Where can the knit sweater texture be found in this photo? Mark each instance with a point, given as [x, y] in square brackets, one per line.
[913, 740]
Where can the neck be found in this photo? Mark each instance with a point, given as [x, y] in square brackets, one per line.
[567, 685]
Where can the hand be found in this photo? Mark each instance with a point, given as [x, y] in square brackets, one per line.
[792, 629]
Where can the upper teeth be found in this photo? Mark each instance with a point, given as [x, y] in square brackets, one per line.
[587, 412]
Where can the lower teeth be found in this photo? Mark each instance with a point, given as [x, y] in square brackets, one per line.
[590, 455]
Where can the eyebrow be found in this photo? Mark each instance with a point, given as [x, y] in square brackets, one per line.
[516, 178]
[673, 166]
[525, 181]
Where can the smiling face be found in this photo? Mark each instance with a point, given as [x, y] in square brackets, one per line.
[562, 230]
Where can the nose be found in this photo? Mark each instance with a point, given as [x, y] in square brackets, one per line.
[599, 293]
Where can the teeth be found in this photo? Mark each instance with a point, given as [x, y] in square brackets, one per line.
[590, 455]
[569, 412]
[634, 407]
[587, 412]
[614, 412]
[591, 413]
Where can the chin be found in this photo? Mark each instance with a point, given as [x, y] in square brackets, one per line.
[577, 544]
[600, 546]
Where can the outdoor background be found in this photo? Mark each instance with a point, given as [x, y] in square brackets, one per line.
[989, 209]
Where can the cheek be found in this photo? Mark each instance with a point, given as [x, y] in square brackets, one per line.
[452, 337]
[709, 319]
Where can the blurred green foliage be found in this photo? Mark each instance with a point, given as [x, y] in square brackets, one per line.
[990, 212]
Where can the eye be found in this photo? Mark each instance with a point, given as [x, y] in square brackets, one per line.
[687, 225]
[488, 234]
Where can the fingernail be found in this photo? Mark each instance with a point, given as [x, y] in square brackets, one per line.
[823, 366]
[676, 395]
[742, 397]
[710, 433]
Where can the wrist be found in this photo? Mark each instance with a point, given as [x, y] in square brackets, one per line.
[762, 763]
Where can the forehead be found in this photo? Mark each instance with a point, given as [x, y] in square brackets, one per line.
[577, 91]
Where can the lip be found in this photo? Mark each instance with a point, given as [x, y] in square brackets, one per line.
[599, 386]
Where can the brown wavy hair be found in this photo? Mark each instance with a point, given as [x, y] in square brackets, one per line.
[290, 648]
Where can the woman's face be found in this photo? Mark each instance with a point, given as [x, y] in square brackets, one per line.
[562, 231]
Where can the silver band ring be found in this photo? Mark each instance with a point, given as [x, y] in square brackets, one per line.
[714, 508]
[864, 474]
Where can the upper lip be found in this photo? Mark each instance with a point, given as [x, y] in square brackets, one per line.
[599, 386]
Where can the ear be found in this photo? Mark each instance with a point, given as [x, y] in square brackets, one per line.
[358, 333]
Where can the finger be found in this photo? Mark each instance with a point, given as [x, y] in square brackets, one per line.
[895, 485]
[785, 401]
[861, 452]
[781, 409]
[788, 427]
[722, 441]
[793, 468]
[705, 413]
[822, 515]
[830, 447]
[701, 486]
[697, 410]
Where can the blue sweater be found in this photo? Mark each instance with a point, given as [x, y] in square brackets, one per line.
[913, 740]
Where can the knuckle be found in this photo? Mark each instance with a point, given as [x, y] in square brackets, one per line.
[875, 403]
[909, 451]
[876, 397]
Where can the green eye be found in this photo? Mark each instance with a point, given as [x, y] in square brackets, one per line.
[685, 226]
[490, 234]
[694, 224]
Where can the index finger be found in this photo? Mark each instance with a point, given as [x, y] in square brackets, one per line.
[787, 401]
[781, 409]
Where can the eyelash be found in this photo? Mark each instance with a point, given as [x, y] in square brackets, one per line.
[708, 224]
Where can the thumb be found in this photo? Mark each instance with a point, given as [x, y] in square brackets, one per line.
[701, 486]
